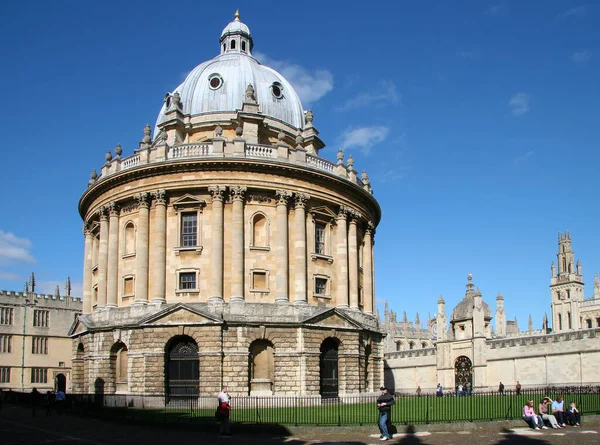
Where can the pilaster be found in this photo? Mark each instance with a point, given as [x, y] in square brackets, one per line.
[102, 256]
[159, 246]
[342, 257]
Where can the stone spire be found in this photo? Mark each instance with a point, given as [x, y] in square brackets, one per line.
[470, 286]
[57, 291]
[26, 288]
[32, 283]
[500, 316]
[68, 287]
[417, 322]
[441, 320]
[530, 324]
[596, 286]
[545, 329]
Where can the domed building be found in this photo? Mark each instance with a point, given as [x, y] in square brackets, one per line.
[227, 251]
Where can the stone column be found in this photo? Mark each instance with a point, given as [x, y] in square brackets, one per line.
[368, 270]
[353, 260]
[342, 258]
[159, 244]
[112, 270]
[141, 249]
[102, 256]
[216, 263]
[300, 249]
[281, 248]
[87, 270]
[237, 243]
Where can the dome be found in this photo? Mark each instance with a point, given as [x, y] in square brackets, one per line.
[464, 310]
[219, 85]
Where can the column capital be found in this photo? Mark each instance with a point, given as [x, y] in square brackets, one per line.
[283, 196]
[237, 193]
[370, 228]
[159, 197]
[301, 199]
[103, 212]
[343, 212]
[87, 230]
[354, 216]
[143, 200]
[113, 208]
[217, 192]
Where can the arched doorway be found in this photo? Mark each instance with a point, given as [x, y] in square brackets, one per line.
[329, 368]
[261, 368]
[60, 383]
[463, 372]
[182, 368]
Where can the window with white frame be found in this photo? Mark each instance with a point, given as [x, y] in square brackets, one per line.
[320, 237]
[259, 280]
[187, 280]
[4, 375]
[5, 344]
[39, 345]
[39, 375]
[321, 286]
[189, 210]
[6, 315]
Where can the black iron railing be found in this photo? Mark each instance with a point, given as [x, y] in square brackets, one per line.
[307, 410]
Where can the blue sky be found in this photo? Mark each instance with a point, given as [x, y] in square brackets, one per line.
[476, 121]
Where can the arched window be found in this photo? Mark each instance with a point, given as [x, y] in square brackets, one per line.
[398, 346]
[233, 44]
[120, 366]
[463, 372]
[182, 367]
[243, 45]
[367, 376]
[129, 236]
[424, 345]
[261, 368]
[411, 345]
[224, 47]
[560, 322]
[569, 320]
[260, 231]
[564, 264]
[329, 368]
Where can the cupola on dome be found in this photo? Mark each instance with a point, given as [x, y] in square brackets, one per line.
[219, 85]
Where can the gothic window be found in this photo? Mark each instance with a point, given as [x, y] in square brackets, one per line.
[129, 239]
[560, 322]
[398, 346]
[5, 344]
[569, 320]
[424, 345]
[182, 367]
[598, 322]
[41, 319]
[39, 375]
[39, 345]
[6, 315]
[189, 210]
[411, 345]
[260, 232]
[262, 367]
[564, 265]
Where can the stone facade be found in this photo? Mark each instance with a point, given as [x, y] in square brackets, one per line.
[567, 354]
[228, 237]
[35, 349]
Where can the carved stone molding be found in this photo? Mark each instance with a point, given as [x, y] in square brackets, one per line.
[143, 200]
[129, 208]
[258, 198]
[283, 197]
[87, 230]
[370, 228]
[103, 212]
[237, 193]
[217, 193]
[301, 199]
[354, 215]
[113, 209]
[318, 256]
[343, 212]
[159, 197]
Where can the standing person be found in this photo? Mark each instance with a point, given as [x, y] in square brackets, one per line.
[543, 410]
[48, 399]
[501, 388]
[223, 416]
[384, 404]
[418, 391]
[60, 401]
[558, 409]
[532, 418]
[224, 395]
[35, 398]
[518, 388]
[439, 392]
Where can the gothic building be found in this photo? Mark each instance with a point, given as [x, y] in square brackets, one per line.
[474, 348]
[226, 250]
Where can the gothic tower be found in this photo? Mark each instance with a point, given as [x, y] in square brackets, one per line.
[566, 287]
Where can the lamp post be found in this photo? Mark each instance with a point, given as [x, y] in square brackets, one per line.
[24, 306]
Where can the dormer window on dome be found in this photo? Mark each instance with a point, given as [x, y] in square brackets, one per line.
[236, 37]
[215, 81]
[277, 90]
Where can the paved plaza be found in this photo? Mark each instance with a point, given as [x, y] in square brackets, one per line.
[17, 426]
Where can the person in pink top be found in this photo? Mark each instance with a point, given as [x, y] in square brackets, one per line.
[532, 418]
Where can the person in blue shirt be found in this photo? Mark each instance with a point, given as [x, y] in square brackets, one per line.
[558, 409]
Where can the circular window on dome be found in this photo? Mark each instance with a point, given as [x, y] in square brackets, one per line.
[215, 81]
[277, 90]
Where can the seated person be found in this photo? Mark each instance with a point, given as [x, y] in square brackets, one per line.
[558, 409]
[529, 416]
[543, 409]
[574, 415]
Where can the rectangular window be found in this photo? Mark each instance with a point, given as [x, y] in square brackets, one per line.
[39, 345]
[41, 319]
[187, 281]
[39, 375]
[4, 375]
[569, 320]
[321, 286]
[598, 322]
[6, 315]
[5, 344]
[320, 238]
[259, 280]
[189, 229]
[128, 286]
[61, 364]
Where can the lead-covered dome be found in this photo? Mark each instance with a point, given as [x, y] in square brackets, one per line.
[219, 85]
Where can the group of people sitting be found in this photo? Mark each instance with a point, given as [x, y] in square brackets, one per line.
[552, 412]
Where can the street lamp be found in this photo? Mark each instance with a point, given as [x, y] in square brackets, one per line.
[24, 306]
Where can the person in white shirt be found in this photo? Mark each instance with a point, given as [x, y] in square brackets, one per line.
[224, 395]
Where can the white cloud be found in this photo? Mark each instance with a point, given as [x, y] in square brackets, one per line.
[386, 92]
[576, 12]
[581, 56]
[364, 138]
[14, 249]
[519, 104]
[309, 85]
[521, 158]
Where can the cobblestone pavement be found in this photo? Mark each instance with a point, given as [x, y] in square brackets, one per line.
[17, 426]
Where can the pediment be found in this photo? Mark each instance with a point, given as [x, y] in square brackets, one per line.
[180, 314]
[322, 213]
[332, 318]
[188, 201]
[77, 328]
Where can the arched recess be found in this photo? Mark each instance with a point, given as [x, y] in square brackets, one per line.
[261, 368]
[120, 366]
[260, 230]
[182, 367]
[367, 375]
[129, 238]
[463, 372]
[328, 368]
[60, 382]
[80, 379]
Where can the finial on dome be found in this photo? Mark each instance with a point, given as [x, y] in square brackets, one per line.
[236, 16]
[108, 156]
[299, 141]
[281, 136]
[309, 117]
[218, 131]
[340, 155]
[147, 132]
[239, 131]
[350, 162]
[118, 150]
